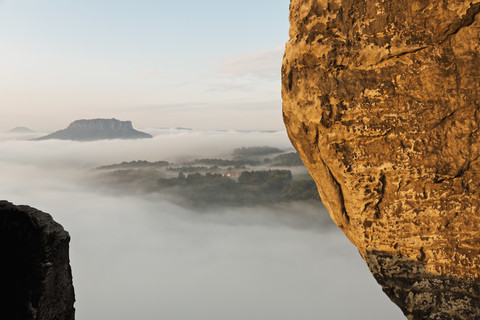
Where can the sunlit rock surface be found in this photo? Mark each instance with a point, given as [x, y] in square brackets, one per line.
[36, 279]
[382, 101]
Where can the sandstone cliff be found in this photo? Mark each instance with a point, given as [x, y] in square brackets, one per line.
[97, 129]
[36, 279]
[382, 102]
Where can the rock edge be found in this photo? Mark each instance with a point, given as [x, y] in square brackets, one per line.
[36, 274]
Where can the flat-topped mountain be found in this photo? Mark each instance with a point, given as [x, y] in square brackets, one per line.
[97, 129]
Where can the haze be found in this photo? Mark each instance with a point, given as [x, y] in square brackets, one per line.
[139, 256]
[202, 64]
[205, 65]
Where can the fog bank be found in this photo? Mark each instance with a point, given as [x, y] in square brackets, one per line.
[141, 257]
[167, 144]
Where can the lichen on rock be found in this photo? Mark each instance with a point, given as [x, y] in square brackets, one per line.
[381, 98]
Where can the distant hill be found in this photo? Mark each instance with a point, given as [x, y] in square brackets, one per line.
[20, 130]
[97, 129]
[291, 159]
[255, 151]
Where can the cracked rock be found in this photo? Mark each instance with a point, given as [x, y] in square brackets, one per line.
[381, 98]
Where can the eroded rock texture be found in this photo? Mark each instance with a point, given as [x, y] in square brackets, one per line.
[382, 101]
[36, 279]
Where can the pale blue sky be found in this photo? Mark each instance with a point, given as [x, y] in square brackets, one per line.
[202, 64]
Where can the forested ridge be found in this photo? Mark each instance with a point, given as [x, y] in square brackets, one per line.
[253, 176]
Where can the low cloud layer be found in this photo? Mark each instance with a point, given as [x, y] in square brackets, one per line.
[167, 144]
[142, 257]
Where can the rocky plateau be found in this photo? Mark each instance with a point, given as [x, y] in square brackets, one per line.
[97, 129]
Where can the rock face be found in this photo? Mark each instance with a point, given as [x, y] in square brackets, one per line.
[382, 102]
[97, 129]
[35, 270]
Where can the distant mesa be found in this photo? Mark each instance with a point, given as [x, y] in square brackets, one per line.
[20, 130]
[97, 129]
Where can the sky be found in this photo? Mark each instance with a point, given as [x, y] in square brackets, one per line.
[201, 64]
[206, 65]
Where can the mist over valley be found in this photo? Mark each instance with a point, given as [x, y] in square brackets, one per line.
[143, 254]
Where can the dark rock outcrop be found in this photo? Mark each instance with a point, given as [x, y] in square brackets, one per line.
[97, 129]
[381, 98]
[36, 279]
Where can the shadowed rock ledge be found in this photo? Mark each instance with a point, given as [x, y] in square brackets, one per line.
[35, 270]
[381, 98]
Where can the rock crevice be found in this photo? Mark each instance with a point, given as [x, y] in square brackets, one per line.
[381, 98]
